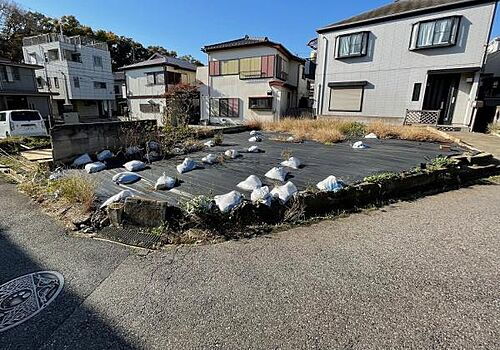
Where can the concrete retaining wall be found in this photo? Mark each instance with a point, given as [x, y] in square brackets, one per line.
[72, 140]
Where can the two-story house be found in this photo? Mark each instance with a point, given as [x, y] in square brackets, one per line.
[18, 88]
[78, 69]
[408, 55]
[147, 82]
[251, 78]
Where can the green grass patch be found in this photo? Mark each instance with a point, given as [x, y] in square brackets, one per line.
[384, 177]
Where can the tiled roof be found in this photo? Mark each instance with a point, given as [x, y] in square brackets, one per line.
[398, 8]
[157, 60]
[249, 41]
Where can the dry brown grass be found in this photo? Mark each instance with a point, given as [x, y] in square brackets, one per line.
[335, 130]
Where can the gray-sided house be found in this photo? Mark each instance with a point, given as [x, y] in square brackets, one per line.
[251, 78]
[18, 88]
[78, 69]
[405, 58]
[147, 82]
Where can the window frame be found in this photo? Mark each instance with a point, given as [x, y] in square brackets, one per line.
[416, 27]
[268, 98]
[155, 108]
[228, 101]
[97, 61]
[225, 61]
[100, 85]
[56, 82]
[347, 87]
[417, 92]
[365, 39]
[76, 82]
[215, 67]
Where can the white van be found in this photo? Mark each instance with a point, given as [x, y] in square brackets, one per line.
[22, 122]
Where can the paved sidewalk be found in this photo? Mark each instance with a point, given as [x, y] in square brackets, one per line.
[484, 142]
[418, 275]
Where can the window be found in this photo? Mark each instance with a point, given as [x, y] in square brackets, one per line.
[56, 82]
[24, 116]
[352, 45]
[39, 82]
[15, 73]
[224, 107]
[117, 89]
[174, 78]
[281, 68]
[76, 82]
[3, 74]
[98, 61]
[436, 33]
[155, 78]
[263, 103]
[149, 108]
[3, 117]
[250, 67]
[76, 57]
[99, 85]
[32, 58]
[52, 55]
[346, 98]
[229, 67]
[417, 88]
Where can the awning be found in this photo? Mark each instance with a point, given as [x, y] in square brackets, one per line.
[338, 84]
[24, 93]
[454, 70]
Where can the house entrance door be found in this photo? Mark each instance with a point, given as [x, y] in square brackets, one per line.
[441, 94]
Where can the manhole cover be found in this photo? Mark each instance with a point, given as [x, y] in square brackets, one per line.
[26, 296]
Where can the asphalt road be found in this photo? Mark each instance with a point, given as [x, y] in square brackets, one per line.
[418, 275]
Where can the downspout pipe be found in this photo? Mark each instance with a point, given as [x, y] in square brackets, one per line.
[323, 80]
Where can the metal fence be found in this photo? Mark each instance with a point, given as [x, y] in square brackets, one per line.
[422, 117]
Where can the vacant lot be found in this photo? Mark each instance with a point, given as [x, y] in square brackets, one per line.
[350, 165]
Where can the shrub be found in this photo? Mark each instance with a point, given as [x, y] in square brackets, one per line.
[382, 177]
[199, 205]
[440, 163]
[352, 129]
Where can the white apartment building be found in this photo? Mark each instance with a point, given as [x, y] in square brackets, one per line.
[251, 78]
[408, 55]
[78, 69]
[147, 82]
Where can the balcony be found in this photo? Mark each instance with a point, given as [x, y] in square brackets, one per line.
[254, 74]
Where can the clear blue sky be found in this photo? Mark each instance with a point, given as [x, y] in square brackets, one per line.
[187, 25]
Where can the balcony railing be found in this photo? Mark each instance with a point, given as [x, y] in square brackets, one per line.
[253, 74]
[74, 40]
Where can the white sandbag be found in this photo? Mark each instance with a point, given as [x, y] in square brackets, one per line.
[125, 178]
[290, 139]
[292, 162]
[104, 155]
[254, 149]
[94, 167]
[120, 197]
[261, 195]
[285, 192]
[251, 183]
[187, 165]
[255, 133]
[134, 165]
[209, 159]
[359, 145]
[231, 153]
[132, 150]
[165, 182]
[371, 136]
[228, 201]
[255, 138]
[210, 143]
[82, 160]
[330, 184]
[277, 173]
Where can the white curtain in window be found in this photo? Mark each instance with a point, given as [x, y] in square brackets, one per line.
[426, 34]
[344, 46]
[356, 44]
[443, 31]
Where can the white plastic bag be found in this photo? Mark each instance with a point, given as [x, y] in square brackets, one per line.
[277, 173]
[371, 136]
[330, 184]
[187, 165]
[251, 183]
[104, 155]
[359, 145]
[231, 153]
[210, 143]
[94, 167]
[255, 133]
[255, 138]
[261, 195]
[125, 178]
[165, 182]
[285, 192]
[290, 139]
[82, 160]
[254, 149]
[209, 159]
[292, 162]
[228, 201]
[134, 165]
[120, 197]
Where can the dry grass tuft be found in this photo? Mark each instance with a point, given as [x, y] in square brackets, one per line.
[75, 189]
[336, 130]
